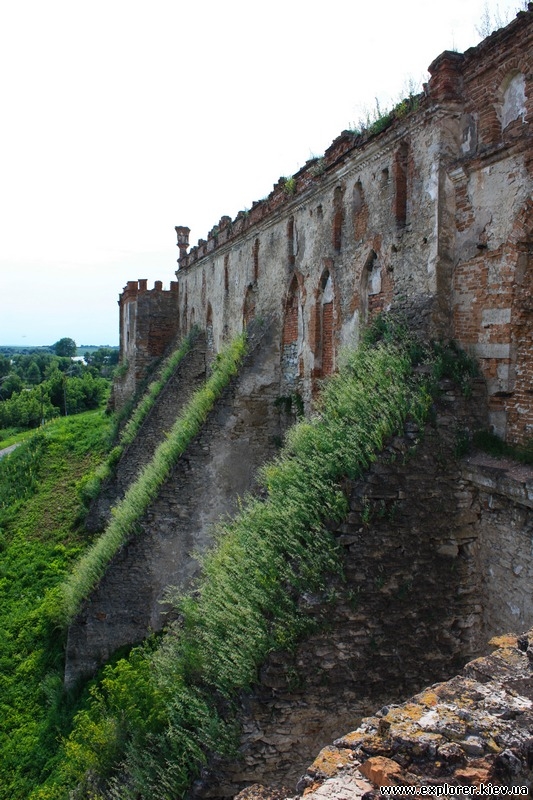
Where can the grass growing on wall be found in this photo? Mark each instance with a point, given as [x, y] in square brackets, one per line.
[147, 401]
[39, 541]
[93, 564]
[93, 481]
[155, 715]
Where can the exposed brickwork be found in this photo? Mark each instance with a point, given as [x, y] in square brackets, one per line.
[431, 217]
[291, 342]
[149, 322]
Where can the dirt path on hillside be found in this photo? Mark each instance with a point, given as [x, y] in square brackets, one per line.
[7, 450]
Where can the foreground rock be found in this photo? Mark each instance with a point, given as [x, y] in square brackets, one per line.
[475, 728]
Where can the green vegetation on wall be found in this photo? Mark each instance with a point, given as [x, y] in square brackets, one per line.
[91, 567]
[137, 414]
[153, 717]
[146, 726]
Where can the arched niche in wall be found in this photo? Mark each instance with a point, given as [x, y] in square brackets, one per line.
[248, 310]
[359, 211]
[338, 217]
[292, 241]
[513, 94]
[324, 339]
[184, 315]
[292, 338]
[255, 259]
[401, 161]
[370, 284]
[226, 272]
[192, 319]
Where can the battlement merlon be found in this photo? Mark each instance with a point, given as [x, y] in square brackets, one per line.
[133, 289]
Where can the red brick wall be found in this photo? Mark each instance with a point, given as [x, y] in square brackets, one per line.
[492, 284]
[290, 322]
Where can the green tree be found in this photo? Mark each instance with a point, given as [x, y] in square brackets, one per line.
[11, 384]
[5, 365]
[65, 347]
[33, 374]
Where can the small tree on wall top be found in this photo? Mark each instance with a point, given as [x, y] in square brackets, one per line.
[65, 347]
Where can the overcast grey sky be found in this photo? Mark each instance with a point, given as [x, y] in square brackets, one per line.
[121, 119]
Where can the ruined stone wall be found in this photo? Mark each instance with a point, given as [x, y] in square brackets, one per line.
[219, 465]
[438, 558]
[408, 613]
[474, 729]
[499, 494]
[430, 214]
[187, 377]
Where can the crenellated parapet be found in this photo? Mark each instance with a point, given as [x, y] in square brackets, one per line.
[149, 321]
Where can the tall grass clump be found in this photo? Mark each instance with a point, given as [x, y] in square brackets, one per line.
[92, 566]
[250, 599]
[93, 482]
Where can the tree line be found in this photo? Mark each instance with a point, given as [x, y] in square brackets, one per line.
[41, 383]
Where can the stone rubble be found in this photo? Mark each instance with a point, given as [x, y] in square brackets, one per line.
[475, 728]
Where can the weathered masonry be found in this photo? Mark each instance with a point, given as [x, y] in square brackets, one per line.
[429, 212]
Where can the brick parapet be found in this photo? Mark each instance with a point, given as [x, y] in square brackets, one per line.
[314, 173]
[450, 72]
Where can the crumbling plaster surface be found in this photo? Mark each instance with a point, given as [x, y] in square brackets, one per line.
[498, 193]
[409, 253]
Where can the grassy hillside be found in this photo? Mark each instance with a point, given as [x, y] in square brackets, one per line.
[40, 538]
[48, 564]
